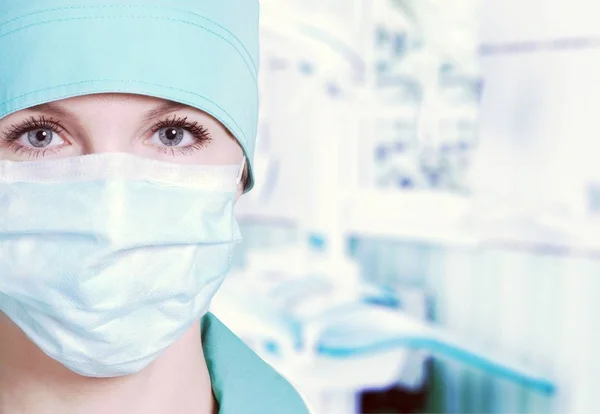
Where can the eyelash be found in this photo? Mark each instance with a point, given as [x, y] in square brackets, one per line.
[16, 131]
[200, 134]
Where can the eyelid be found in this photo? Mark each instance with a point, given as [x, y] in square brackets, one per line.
[32, 123]
[196, 128]
[170, 121]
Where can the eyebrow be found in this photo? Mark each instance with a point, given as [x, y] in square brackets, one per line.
[53, 108]
[56, 109]
[163, 109]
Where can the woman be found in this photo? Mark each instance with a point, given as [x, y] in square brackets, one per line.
[126, 136]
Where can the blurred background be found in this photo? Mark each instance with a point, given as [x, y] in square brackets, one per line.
[423, 236]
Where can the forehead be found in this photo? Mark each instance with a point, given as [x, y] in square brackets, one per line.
[110, 99]
[115, 104]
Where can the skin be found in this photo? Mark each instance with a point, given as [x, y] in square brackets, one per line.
[177, 381]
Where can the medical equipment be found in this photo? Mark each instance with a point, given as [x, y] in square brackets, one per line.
[331, 344]
[423, 58]
[532, 175]
[422, 216]
[299, 56]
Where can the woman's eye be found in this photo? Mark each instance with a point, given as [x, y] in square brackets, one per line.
[172, 137]
[41, 138]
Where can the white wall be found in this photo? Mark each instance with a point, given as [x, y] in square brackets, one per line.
[535, 167]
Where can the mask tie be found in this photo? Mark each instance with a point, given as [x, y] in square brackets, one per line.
[241, 171]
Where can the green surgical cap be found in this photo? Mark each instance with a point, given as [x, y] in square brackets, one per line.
[202, 53]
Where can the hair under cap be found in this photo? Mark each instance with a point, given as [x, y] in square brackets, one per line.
[203, 53]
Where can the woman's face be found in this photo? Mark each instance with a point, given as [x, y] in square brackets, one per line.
[141, 125]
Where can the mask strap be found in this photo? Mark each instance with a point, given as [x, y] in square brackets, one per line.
[241, 172]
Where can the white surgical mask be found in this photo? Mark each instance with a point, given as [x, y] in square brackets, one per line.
[107, 259]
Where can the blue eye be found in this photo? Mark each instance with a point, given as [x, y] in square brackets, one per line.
[177, 134]
[35, 137]
[171, 136]
[40, 138]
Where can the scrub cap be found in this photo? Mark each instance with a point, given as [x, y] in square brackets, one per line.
[203, 53]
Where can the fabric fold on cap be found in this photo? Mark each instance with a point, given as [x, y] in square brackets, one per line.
[200, 53]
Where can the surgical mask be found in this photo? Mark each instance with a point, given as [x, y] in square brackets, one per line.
[107, 259]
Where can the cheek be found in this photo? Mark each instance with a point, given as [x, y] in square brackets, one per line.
[226, 150]
[5, 154]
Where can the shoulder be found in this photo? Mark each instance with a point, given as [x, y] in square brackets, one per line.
[242, 382]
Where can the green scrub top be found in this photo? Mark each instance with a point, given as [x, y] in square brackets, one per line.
[242, 382]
